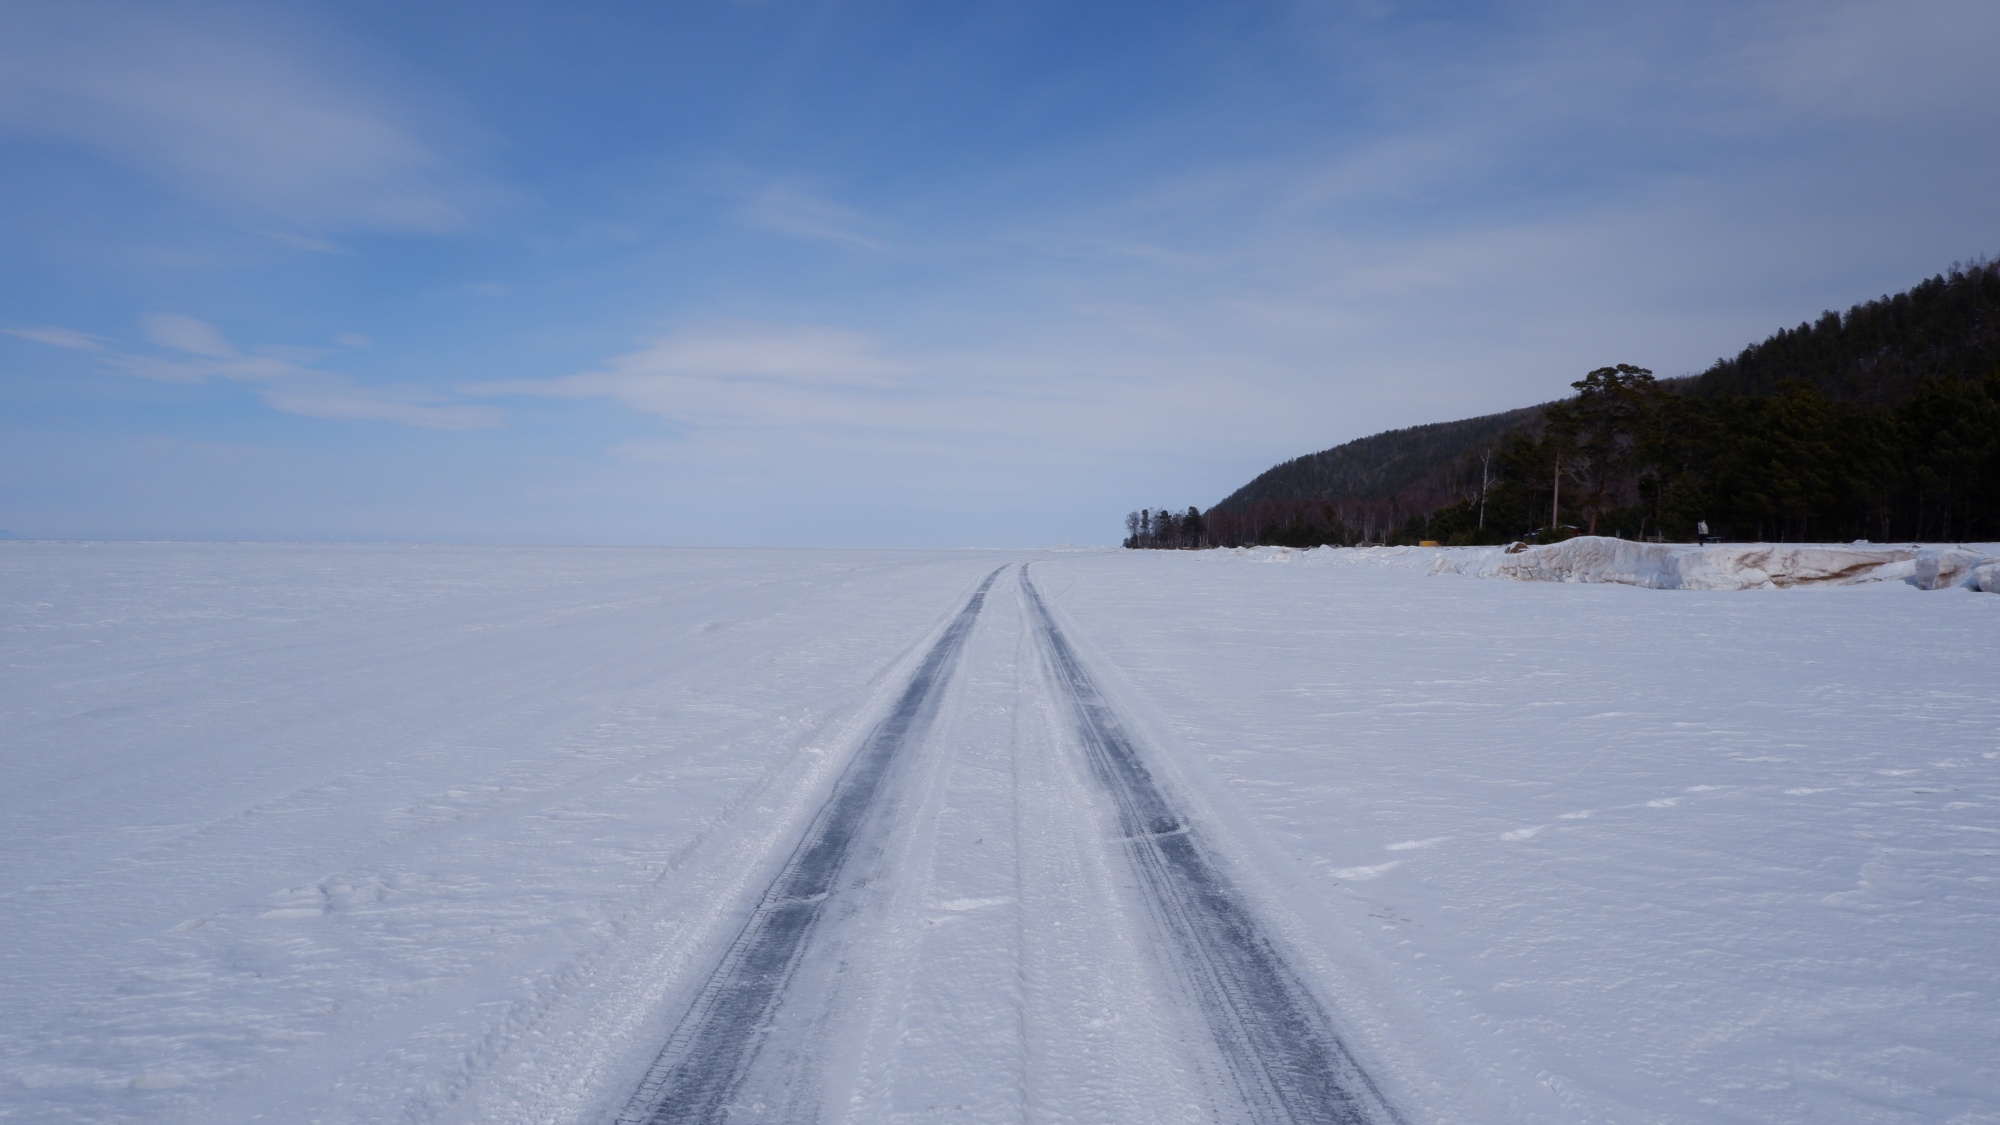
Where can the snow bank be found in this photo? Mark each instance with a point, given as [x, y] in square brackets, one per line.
[1678, 566]
[1939, 568]
[1672, 566]
[1987, 578]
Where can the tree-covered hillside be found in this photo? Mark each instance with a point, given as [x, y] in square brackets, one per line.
[1630, 458]
[1371, 485]
[1880, 423]
[1947, 327]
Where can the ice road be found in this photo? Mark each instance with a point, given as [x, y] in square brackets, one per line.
[338, 833]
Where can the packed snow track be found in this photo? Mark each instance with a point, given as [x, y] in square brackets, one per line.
[1285, 1060]
[757, 1043]
[743, 1052]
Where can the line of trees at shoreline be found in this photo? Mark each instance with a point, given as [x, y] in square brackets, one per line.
[1162, 530]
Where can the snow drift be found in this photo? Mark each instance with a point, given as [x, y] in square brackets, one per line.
[1672, 566]
[1987, 578]
[1679, 566]
[1939, 568]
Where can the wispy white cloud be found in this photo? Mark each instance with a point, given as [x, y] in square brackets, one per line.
[742, 375]
[751, 396]
[195, 352]
[789, 208]
[235, 110]
[59, 338]
[308, 242]
[1877, 63]
[186, 334]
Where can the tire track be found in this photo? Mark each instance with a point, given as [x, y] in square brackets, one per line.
[702, 1073]
[1283, 1056]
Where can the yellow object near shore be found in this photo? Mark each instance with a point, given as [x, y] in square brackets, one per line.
[1427, 542]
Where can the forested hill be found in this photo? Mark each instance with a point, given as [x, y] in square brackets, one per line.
[1875, 357]
[1948, 326]
[1380, 465]
[1372, 481]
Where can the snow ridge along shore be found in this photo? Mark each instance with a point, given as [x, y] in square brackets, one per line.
[1676, 566]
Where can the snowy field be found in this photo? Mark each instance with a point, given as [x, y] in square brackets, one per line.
[397, 834]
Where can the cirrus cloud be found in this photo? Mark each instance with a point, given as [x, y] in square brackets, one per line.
[743, 375]
[193, 351]
[228, 108]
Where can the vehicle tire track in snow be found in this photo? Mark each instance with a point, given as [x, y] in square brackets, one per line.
[701, 1075]
[1283, 1055]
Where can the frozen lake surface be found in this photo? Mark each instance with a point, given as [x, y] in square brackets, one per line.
[307, 833]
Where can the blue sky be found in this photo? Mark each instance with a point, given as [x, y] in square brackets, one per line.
[839, 273]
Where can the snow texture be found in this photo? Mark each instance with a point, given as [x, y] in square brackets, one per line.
[344, 834]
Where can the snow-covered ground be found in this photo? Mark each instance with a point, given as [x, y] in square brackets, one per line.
[299, 833]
